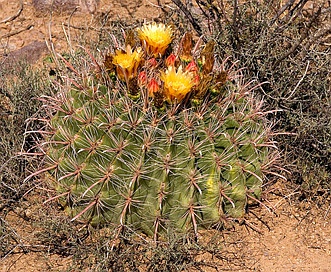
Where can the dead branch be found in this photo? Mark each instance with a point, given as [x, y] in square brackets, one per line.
[11, 18]
[16, 32]
[182, 7]
[281, 11]
[304, 36]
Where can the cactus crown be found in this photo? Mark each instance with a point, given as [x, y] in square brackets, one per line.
[182, 146]
[168, 77]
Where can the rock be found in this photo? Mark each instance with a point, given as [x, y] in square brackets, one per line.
[90, 6]
[43, 7]
[30, 54]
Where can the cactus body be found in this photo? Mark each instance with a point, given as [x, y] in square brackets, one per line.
[123, 165]
[120, 162]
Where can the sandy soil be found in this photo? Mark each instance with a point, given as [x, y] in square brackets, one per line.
[287, 236]
[296, 236]
[25, 22]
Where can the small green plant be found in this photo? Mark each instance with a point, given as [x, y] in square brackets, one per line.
[162, 138]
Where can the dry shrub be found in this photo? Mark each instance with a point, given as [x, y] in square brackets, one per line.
[19, 89]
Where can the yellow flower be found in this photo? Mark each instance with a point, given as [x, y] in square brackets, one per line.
[156, 37]
[177, 84]
[127, 62]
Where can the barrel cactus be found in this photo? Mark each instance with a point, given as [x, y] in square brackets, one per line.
[160, 137]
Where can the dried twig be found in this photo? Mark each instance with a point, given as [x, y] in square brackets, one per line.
[281, 11]
[299, 82]
[294, 13]
[323, 33]
[16, 32]
[193, 21]
[11, 18]
[304, 36]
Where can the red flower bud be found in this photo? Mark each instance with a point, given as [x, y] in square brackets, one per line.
[153, 87]
[152, 62]
[142, 78]
[191, 67]
[170, 61]
[196, 79]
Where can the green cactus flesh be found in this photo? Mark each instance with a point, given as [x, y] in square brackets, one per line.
[121, 163]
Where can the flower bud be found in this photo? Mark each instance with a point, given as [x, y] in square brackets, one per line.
[152, 62]
[191, 67]
[142, 78]
[153, 87]
[170, 61]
